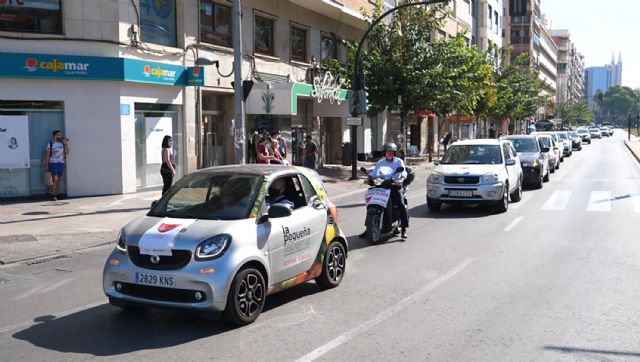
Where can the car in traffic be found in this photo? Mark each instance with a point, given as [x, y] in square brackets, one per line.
[547, 143]
[585, 134]
[576, 140]
[534, 159]
[224, 238]
[604, 132]
[595, 132]
[566, 142]
[484, 171]
[562, 147]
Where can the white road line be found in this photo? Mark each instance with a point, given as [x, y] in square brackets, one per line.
[635, 199]
[513, 223]
[558, 200]
[600, 201]
[384, 315]
[26, 324]
[40, 290]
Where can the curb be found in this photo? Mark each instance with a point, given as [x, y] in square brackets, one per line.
[43, 258]
[636, 156]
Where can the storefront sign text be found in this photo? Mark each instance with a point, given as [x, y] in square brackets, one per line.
[327, 88]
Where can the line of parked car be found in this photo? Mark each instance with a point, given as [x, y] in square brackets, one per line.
[494, 171]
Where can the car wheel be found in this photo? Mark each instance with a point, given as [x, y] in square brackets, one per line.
[433, 205]
[333, 266]
[546, 177]
[503, 204]
[246, 297]
[517, 193]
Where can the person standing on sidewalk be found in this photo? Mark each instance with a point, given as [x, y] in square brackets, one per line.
[168, 168]
[445, 140]
[56, 152]
[310, 153]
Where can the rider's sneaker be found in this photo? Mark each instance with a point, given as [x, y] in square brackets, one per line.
[404, 233]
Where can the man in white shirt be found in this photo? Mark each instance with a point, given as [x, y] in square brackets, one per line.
[55, 154]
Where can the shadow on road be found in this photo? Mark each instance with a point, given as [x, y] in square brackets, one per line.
[452, 212]
[109, 331]
[574, 350]
[76, 214]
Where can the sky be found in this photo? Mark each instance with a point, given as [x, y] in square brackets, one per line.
[599, 29]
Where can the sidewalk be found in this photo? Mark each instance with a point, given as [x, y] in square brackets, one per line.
[31, 230]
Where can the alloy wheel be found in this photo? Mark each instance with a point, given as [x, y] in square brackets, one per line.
[335, 264]
[250, 295]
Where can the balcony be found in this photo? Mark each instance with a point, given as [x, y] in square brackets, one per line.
[346, 11]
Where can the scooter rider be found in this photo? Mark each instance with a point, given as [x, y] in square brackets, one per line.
[386, 168]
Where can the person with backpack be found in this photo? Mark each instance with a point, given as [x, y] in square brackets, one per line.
[55, 154]
[310, 153]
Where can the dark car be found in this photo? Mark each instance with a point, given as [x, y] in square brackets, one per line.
[533, 158]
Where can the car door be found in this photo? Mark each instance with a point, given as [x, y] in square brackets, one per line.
[512, 171]
[294, 240]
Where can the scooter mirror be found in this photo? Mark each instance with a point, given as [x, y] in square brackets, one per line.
[399, 169]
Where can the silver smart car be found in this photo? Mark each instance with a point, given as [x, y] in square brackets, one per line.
[224, 238]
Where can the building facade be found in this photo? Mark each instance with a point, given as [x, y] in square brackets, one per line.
[570, 84]
[600, 78]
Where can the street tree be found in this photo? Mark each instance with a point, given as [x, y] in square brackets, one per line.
[618, 102]
[577, 112]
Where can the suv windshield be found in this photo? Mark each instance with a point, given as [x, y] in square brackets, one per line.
[210, 196]
[524, 144]
[583, 131]
[472, 154]
[563, 136]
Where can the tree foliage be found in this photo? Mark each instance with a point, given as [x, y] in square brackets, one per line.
[618, 102]
[577, 112]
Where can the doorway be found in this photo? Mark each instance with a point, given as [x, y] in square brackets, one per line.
[213, 140]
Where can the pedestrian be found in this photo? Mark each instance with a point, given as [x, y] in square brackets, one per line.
[251, 149]
[56, 152]
[264, 156]
[445, 140]
[168, 168]
[492, 131]
[276, 157]
[282, 144]
[310, 153]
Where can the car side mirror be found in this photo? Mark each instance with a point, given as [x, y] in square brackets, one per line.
[510, 162]
[154, 203]
[278, 211]
[436, 162]
[399, 169]
[545, 149]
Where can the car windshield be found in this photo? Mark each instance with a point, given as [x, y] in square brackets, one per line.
[545, 142]
[573, 134]
[472, 154]
[210, 196]
[583, 131]
[524, 144]
[563, 136]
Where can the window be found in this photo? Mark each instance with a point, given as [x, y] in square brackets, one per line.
[328, 47]
[298, 44]
[31, 16]
[158, 22]
[490, 17]
[308, 190]
[496, 21]
[263, 35]
[215, 23]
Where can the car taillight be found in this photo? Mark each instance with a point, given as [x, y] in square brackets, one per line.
[333, 211]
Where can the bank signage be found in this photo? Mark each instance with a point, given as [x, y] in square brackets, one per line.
[72, 67]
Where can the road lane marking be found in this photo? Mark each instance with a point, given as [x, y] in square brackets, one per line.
[635, 199]
[29, 323]
[600, 201]
[558, 200]
[40, 290]
[514, 223]
[384, 315]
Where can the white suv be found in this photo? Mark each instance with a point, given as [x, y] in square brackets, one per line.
[483, 171]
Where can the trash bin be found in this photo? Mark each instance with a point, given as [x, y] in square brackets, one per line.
[346, 154]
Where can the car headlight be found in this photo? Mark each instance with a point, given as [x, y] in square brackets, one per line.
[490, 178]
[121, 243]
[213, 247]
[537, 163]
[524, 164]
[435, 178]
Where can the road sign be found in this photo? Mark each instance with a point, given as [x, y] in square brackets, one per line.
[354, 121]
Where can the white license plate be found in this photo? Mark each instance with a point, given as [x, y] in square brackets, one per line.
[460, 193]
[157, 280]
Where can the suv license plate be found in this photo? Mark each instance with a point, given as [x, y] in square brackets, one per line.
[460, 193]
[157, 280]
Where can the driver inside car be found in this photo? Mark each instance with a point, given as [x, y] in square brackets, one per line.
[277, 194]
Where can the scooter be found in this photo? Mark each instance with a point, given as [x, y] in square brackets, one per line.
[382, 215]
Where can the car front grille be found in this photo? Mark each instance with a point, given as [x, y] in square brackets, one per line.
[161, 294]
[177, 260]
[462, 180]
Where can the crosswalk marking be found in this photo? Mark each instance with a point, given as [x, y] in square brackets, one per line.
[558, 200]
[635, 199]
[600, 201]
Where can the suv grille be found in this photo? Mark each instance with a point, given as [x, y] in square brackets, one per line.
[161, 294]
[177, 260]
[462, 180]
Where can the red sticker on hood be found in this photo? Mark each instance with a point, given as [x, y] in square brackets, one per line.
[163, 228]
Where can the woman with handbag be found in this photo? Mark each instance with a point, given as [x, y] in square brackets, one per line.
[168, 168]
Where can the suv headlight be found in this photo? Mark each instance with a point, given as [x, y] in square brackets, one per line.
[213, 247]
[435, 178]
[490, 178]
[121, 243]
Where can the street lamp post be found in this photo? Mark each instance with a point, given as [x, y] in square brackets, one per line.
[358, 83]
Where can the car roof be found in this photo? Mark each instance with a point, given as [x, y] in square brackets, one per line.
[518, 136]
[252, 169]
[480, 141]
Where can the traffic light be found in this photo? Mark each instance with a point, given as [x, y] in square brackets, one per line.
[358, 103]
[246, 88]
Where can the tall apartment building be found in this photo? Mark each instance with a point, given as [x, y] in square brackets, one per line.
[117, 76]
[570, 83]
[526, 30]
[601, 78]
[488, 17]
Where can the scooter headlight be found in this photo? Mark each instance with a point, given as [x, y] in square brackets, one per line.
[378, 181]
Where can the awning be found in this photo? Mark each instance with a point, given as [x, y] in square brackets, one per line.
[463, 119]
[282, 99]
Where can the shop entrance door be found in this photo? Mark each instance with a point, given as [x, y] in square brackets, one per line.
[213, 142]
[332, 140]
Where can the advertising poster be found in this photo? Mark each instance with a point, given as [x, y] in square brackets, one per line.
[156, 129]
[158, 21]
[14, 142]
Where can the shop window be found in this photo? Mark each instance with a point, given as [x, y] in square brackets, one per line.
[298, 44]
[215, 23]
[158, 22]
[263, 35]
[31, 16]
[328, 47]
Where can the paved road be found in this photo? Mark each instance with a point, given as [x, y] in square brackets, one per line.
[554, 278]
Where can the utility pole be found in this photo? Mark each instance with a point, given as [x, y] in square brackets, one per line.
[238, 99]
